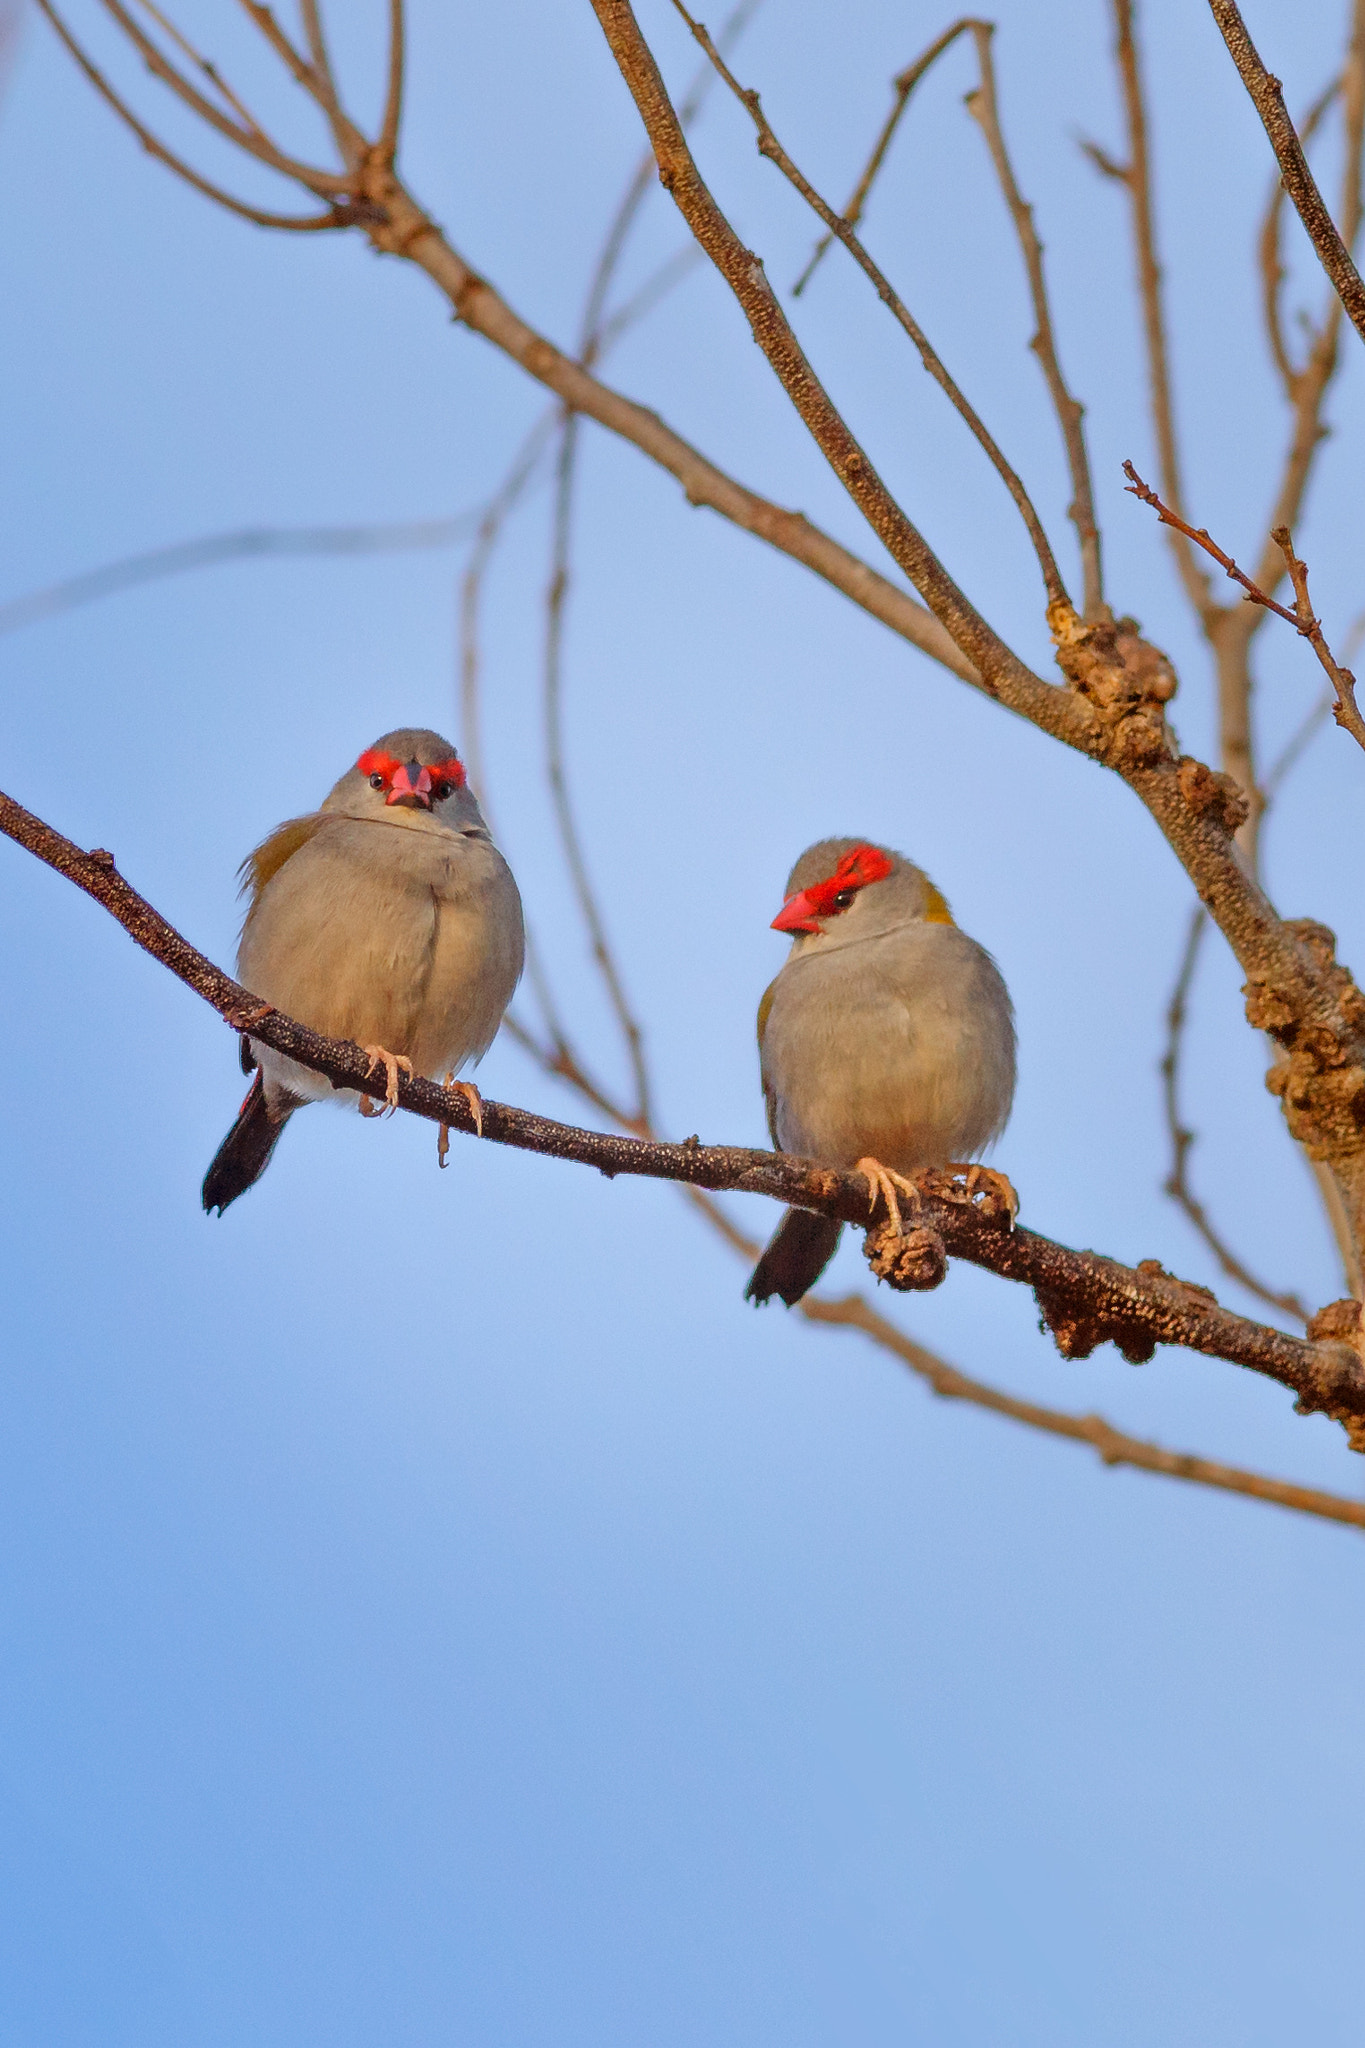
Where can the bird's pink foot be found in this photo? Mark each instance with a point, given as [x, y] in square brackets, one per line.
[475, 1101]
[885, 1182]
[1001, 1187]
[390, 1062]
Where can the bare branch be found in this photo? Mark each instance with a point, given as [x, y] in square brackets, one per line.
[1136, 176]
[335, 217]
[902, 87]
[1086, 1299]
[1112, 1445]
[1346, 712]
[1182, 1138]
[1268, 99]
[559, 789]
[386, 147]
[249, 543]
[1303, 618]
[1271, 267]
[1070, 413]
[770, 147]
[327, 184]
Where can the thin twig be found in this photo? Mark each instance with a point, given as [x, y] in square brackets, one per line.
[1268, 99]
[1136, 177]
[1177, 1184]
[1113, 1446]
[326, 184]
[1268, 250]
[902, 87]
[983, 107]
[1302, 618]
[248, 544]
[770, 147]
[569, 840]
[386, 145]
[335, 217]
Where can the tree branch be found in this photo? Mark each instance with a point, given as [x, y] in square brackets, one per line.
[984, 109]
[1302, 618]
[1268, 99]
[770, 147]
[1085, 1299]
[902, 87]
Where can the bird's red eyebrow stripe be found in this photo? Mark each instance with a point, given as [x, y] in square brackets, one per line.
[862, 865]
[372, 762]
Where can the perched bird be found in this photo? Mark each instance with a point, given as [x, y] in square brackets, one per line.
[885, 1043]
[388, 917]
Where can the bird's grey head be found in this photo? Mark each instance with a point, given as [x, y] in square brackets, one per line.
[408, 777]
[844, 890]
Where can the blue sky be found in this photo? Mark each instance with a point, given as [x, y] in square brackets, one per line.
[435, 1608]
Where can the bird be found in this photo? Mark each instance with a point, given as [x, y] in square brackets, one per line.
[386, 916]
[886, 1042]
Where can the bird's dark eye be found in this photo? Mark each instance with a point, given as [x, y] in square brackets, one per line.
[844, 898]
[376, 782]
[440, 790]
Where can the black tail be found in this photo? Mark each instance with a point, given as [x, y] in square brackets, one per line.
[245, 1152]
[798, 1252]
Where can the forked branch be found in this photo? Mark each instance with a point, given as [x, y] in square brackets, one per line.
[1302, 618]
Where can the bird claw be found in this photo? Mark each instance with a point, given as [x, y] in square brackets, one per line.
[390, 1062]
[884, 1183]
[475, 1101]
[999, 1184]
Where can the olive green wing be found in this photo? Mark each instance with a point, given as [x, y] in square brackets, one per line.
[769, 1101]
[270, 856]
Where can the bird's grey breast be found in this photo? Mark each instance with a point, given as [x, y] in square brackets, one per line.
[390, 935]
[901, 1047]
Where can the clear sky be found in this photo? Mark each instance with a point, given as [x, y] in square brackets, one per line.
[433, 1607]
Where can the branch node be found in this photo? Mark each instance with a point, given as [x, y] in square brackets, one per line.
[910, 1261]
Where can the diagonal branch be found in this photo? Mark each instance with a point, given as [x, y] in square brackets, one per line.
[902, 88]
[1136, 177]
[984, 109]
[1267, 97]
[1302, 618]
[1085, 1299]
[770, 147]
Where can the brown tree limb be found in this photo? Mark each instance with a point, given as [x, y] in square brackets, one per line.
[334, 217]
[1182, 1138]
[902, 87]
[1136, 177]
[1086, 1299]
[984, 109]
[770, 147]
[1113, 1446]
[1112, 707]
[1268, 99]
[1269, 258]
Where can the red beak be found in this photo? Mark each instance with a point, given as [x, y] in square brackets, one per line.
[798, 914]
[411, 786]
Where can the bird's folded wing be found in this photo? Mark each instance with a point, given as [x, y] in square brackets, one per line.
[270, 856]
